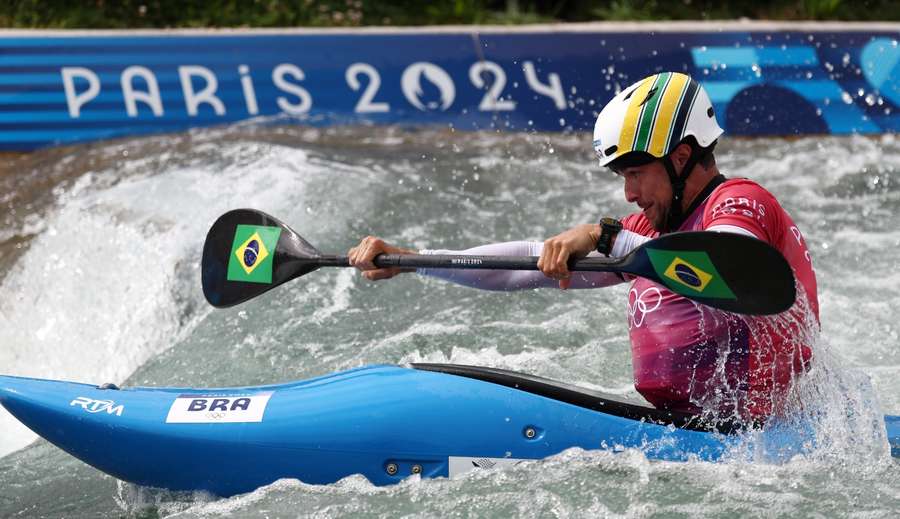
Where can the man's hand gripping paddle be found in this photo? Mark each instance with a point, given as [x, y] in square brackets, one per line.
[248, 252]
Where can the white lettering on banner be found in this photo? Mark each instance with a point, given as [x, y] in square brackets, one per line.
[219, 408]
[491, 100]
[75, 100]
[553, 89]
[151, 97]
[411, 84]
[426, 86]
[207, 95]
[365, 104]
[284, 85]
[98, 406]
[249, 92]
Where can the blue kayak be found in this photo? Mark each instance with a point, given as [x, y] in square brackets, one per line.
[384, 422]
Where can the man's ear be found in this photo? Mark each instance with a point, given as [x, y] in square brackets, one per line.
[680, 156]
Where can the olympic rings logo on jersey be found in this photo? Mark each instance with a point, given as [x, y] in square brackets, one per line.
[639, 305]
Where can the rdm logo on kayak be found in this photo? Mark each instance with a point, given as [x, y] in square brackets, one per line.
[98, 406]
[235, 408]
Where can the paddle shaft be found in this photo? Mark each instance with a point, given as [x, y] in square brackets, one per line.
[247, 253]
[459, 261]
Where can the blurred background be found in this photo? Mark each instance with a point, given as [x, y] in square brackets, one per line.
[124, 14]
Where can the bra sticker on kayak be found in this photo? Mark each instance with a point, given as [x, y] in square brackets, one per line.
[237, 408]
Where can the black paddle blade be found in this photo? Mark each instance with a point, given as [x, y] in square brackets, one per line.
[248, 252]
[723, 270]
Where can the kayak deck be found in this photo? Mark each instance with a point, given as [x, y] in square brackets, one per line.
[583, 397]
[384, 422]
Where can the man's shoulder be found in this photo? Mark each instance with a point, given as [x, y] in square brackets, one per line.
[740, 187]
[743, 203]
[740, 193]
[637, 223]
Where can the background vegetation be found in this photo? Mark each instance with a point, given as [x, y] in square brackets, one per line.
[351, 13]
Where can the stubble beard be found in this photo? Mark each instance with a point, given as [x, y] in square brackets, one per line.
[660, 222]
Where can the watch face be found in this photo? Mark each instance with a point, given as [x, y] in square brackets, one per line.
[611, 223]
[608, 228]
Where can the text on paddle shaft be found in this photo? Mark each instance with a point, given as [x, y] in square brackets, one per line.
[466, 261]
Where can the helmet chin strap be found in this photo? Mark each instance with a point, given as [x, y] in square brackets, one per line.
[675, 217]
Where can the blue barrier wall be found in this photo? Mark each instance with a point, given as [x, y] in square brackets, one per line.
[58, 87]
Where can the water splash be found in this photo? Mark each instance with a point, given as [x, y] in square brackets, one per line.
[340, 184]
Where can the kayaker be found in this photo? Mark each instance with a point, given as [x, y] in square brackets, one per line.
[658, 136]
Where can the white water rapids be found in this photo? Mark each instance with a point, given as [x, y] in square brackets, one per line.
[100, 246]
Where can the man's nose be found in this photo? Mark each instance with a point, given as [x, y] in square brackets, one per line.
[630, 192]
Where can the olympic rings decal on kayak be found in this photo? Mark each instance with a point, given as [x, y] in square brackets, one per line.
[638, 306]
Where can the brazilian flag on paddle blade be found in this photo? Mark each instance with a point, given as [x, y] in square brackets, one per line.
[689, 272]
[252, 253]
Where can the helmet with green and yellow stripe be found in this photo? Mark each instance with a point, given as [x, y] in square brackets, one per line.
[653, 116]
[648, 120]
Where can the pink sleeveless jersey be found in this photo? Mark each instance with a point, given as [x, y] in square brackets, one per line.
[694, 358]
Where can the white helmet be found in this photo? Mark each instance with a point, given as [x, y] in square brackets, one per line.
[653, 116]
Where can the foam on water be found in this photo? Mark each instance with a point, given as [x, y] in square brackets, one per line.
[575, 483]
[112, 279]
[108, 290]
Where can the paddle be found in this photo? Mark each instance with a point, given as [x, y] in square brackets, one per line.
[248, 252]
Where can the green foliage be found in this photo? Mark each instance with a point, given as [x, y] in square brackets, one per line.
[350, 13]
[819, 9]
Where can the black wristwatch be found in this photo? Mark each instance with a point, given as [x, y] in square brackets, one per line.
[609, 228]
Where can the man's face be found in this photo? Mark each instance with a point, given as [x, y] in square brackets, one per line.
[648, 186]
